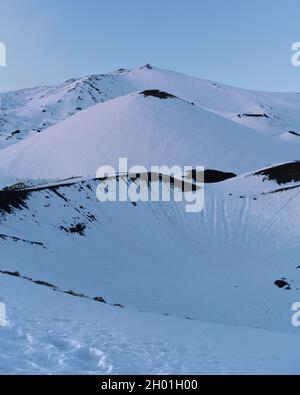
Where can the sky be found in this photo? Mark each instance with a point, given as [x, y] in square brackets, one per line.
[237, 42]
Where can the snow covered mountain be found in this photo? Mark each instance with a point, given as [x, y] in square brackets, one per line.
[235, 264]
[148, 130]
[51, 332]
[30, 111]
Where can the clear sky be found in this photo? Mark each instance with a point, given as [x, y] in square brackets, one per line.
[243, 43]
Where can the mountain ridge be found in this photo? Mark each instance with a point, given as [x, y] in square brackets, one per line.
[30, 111]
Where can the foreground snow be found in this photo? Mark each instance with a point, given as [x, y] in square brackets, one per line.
[54, 333]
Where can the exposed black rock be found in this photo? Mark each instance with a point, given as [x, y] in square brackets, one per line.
[13, 274]
[13, 199]
[259, 115]
[76, 228]
[211, 175]
[73, 293]
[294, 133]
[99, 299]
[282, 174]
[14, 238]
[282, 284]
[45, 283]
[147, 66]
[157, 93]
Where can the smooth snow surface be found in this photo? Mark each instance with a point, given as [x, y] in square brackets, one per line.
[53, 333]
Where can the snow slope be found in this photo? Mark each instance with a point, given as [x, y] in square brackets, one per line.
[53, 333]
[30, 111]
[148, 131]
[219, 265]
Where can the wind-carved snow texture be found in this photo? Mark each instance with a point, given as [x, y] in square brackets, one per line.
[235, 264]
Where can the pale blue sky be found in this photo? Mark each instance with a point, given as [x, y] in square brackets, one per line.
[239, 42]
